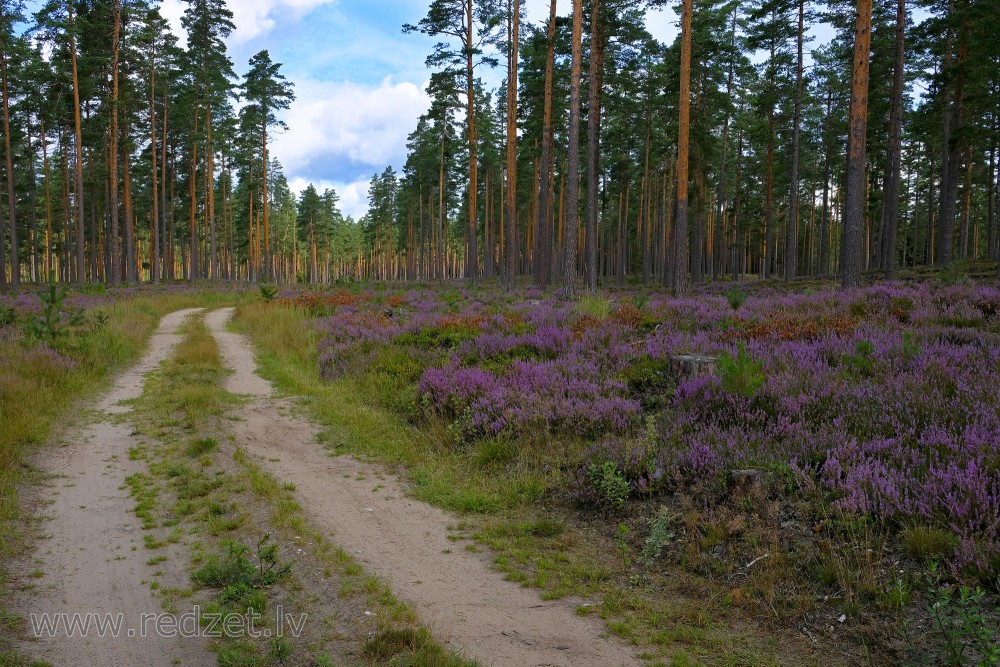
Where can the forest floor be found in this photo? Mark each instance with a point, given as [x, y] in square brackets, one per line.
[143, 491]
[284, 459]
[87, 558]
[411, 544]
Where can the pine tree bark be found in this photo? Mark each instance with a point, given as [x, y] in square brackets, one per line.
[49, 276]
[131, 265]
[81, 260]
[114, 243]
[213, 249]
[472, 248]
[720, 193]
[792, 228]
[852, 240]
[15, 258]
[573, 159]
[510, 213]
[680, 265]
[598, 42]
[949, 158]
[543, 246]
[154, 223]
[265, 204]
[890, 208]
[192, 273]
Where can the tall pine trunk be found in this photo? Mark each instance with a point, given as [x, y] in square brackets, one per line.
[792, 228]
[510, 213]
[472, 248]
[890, 207]
[15, 259]
[597, 45]
[113, 244]
[543, 245]
[852, 241]
[573, 159]
[154, 222]
[81, 259]
[679, 269]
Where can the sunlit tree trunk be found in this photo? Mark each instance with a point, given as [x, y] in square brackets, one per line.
[679, 269]
[852, 240]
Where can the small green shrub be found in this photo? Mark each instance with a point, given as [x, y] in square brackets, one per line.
[98, 321]
[595, 307]
[651, 381]
[234, 567]
[609, 484]
[661, 533]
[8, 316]
[862, 362]
[736, 297]
[741, 374]
[55, 323]
[202, 446]
[640, 300]
[911, 346]
[928, 543]
[268, 293]
[966, 632]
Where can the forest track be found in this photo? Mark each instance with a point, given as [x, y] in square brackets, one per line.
[466, 603]
[89, 558]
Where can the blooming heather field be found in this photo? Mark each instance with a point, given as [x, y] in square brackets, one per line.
[883, 401]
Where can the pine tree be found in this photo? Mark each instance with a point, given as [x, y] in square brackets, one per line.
[268, 90]
[573, 159]
[208, 23]
[472, 26]
[853, 237]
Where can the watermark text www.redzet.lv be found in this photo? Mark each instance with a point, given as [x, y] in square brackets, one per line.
[196, 623]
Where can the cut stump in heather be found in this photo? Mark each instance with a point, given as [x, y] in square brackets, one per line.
[687, 366]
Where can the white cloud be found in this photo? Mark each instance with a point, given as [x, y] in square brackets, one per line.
[663, 24]
[252, 18]
[345, 126]
[172, 10]
[353, 196]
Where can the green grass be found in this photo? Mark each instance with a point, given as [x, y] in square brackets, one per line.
[350, 409]
[229, 512]
[499, 485]
[36, 391]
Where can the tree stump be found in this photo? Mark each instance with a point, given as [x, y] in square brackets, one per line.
[743, 482]
[687, 366]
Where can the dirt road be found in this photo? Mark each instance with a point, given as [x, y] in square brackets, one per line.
[91, 561]
[464, 601]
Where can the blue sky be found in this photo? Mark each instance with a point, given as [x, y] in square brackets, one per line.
[359, 81]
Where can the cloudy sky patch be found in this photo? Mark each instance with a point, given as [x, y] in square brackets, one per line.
[359, 82]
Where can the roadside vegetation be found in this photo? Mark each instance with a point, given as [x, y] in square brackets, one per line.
[824, 491]
[59, 347]
[247, 546]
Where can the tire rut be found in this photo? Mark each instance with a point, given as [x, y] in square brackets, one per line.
[91, 560]
[466, 603]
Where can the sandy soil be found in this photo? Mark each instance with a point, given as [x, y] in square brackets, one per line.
[466, 603]
[92, 560]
